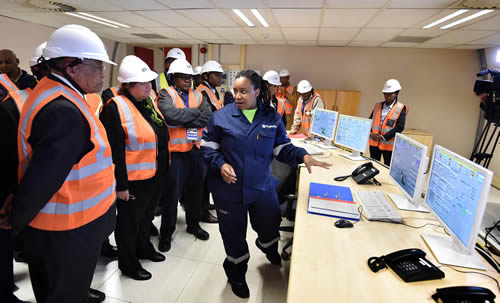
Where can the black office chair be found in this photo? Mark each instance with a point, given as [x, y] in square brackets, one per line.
[289, 213]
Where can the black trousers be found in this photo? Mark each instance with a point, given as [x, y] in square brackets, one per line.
[62, 263]
[6, 267]
[185, 175]
[376, 153]
[133, 224]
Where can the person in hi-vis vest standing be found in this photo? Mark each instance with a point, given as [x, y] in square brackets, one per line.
[186, 114]
[389, 118]
[164, 79]
[272, 83]
[64, 202]
[308, 101]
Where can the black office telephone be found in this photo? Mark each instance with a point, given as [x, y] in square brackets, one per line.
[410, 264]
[464, 294]
[363, 174]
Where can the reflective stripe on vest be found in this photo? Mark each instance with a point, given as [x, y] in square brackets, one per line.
[281, 106]
[305, 120]
[89, 189]
[12, 90]
[178, 135]
[163, 82]
[383, 128]
[140, 141]
[211, 96]
[114, 90]
[19, 98]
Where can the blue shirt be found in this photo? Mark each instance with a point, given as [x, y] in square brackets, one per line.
[249, 148]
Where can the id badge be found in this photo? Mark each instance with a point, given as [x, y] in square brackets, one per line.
[390, 122]
[192, 134]
[308, 112]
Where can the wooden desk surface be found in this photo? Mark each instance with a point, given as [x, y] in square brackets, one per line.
[330, 264]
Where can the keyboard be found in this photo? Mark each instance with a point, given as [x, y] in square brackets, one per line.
[376, 207]
[324, 146]
[310, 149]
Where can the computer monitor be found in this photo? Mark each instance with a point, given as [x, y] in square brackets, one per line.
[353, 132]
[324, 123]
[408, 164]
[456, 194]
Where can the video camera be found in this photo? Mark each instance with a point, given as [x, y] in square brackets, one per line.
[491, 105]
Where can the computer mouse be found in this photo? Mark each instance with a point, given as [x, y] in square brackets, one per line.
[343, 223]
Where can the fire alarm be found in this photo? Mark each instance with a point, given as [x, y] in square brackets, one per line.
[203, 50]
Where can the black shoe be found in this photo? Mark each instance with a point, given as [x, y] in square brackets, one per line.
[211, 206]
[95, 296]
[155, 257]
[109, 251]
[209, 218]
[139, 275]
[273, 257]
[198, 232]
[165, 245]
[153, 230]
[158, 211]
[240, 289]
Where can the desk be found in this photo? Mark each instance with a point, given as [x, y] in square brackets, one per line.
[330, 264]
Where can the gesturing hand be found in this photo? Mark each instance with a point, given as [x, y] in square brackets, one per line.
[310, 162]
[123, 195]
[228, 174]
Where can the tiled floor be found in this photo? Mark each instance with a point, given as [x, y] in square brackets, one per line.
[192, 273]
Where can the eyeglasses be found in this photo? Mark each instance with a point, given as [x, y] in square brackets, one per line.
[100, 68]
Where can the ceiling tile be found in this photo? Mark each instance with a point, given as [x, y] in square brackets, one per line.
[296, 3]
[166, 41]
[301, 42]
[53, 19]
[355, 4]
[420, 3]
[398, 44]
[217, 41]
[297, 17]
[208, 17]
[364, 43]
[190, 41]
[459, 37]
[168, 17]
[333, 43]
[133, 5]
[431, 32]
[200, 33]
[239, 3]
[377, 34]
[114, 32]
[347, 17]
[187, 4]
[400, 18]
[434, 45]
[265, 33]
[337, 33]
[472, 46]
[129, 18]
[492, 23]
[495, 39]
[306, 34]
[168, 32]
[91, 5]
[243, 42]
[231, 33]
[273, 42]
[14, 7]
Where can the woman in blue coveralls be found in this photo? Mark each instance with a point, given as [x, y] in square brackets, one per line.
[239, 144]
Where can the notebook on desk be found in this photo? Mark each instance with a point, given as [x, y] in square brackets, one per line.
[333, 201]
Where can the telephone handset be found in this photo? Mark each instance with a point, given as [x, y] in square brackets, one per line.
[456, 294]
[410, 264]
[364, 173]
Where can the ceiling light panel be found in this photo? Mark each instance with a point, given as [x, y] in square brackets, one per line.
[297, 17]
[331, 34]
[168, 17]
[347, 17]
[91, 19]
[306, 34]
[103, 19]
[259, 17]
[243, 17]
[400, 18]
[131, 19]
[208, 17]
[450, 16]
[468, 18]
[52, 19]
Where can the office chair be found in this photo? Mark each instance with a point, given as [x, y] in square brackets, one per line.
[289, 213]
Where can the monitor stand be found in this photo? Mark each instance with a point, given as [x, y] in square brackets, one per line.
[447, 252]
[354, 156]
[403, 203]
[326, 144]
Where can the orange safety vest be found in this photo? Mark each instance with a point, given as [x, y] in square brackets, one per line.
[305, 118]
[211, 95]
[19, 98]
[288, 104]
[381, 127]
[89, 189]
[94, 101]
[281, 106]
[140, 140]
[178, 135]
[8, 85]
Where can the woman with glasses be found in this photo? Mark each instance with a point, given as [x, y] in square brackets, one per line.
[138, 136]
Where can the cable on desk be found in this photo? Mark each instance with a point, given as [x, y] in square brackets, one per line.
[488, 232]
[360, 209]
[473, 272]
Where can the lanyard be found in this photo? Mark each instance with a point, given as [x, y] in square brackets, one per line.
[305, 103]
[186, 102]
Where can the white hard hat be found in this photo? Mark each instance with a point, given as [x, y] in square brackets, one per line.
[76, 41]
[37, 54]
[284, 73]
[197, 70]
[304, 86]
[180, 66]
[272, 77]
[176, 53]
[391, 85]
[212, 66]
[133, 69]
